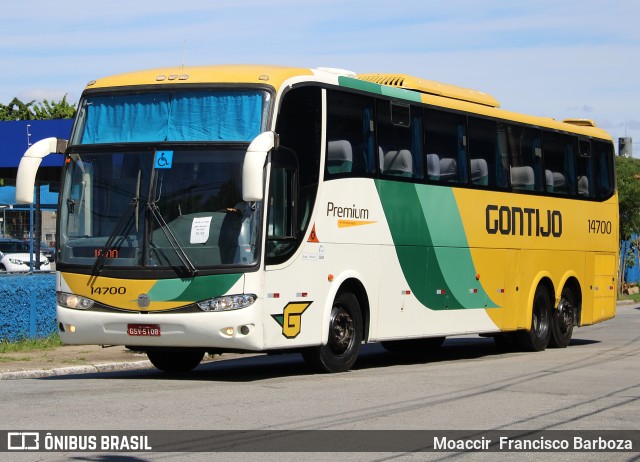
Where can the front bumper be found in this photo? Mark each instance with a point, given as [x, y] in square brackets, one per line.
[227, 330]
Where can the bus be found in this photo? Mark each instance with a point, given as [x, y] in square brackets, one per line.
[246, 208]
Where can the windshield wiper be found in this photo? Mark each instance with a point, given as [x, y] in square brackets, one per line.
[123, 224]
[171, 238]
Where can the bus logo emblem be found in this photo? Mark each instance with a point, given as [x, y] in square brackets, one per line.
[144, 301]
[291, 318]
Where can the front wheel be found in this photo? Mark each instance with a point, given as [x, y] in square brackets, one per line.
[345, 337]
[175, 361]
[537, 337]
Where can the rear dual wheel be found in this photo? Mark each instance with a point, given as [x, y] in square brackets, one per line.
[538, 336]
[550, 326]
[563, 320]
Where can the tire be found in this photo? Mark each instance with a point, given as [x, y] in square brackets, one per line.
[345, 337]
[563, 320]
[537, 337]
[175, 361]
[419, 345]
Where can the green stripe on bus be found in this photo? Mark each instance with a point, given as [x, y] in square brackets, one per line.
[384, 90]
[441, 277]
[193, 289]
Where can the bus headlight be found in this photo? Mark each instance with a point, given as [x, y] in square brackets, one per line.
[74, 301]
[228, 302]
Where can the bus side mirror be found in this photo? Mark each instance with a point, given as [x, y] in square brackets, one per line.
[253, 166]
[26, 177]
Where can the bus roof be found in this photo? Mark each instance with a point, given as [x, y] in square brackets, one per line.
[400, 86]
[431, 87]
[252, 74]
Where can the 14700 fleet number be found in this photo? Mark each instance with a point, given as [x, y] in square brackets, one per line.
[109, 290]
[599, 227]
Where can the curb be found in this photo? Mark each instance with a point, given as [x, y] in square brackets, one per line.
[74, 370]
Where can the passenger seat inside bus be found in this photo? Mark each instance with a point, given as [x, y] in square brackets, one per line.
[433, 167]
[556, 181]
[448, 169]
[479, 172]
[339, 156]
[523, 178]
[583, 186]
[399, 163]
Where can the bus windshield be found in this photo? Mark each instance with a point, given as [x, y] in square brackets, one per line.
[172, 208]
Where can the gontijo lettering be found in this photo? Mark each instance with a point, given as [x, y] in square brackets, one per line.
[523, 221]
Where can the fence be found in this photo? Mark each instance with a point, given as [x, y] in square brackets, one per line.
[28, 307]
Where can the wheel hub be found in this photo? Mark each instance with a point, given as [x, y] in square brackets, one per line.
[565, 315]
[342, 330]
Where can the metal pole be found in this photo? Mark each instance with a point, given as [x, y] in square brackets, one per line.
[31, 238]
[32, 307]
[30, 215]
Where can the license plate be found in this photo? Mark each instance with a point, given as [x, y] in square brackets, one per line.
[149, 330]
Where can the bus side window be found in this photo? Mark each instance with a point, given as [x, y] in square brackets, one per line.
[525, 149]
[559, 163]
[350, 135]
[486, 154]
[603, 156]
[446, 140]
[399, 140]
[585, 178]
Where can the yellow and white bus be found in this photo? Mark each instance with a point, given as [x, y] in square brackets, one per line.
[267, 209]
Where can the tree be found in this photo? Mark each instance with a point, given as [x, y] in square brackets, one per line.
[628, 171]
[18, 110]
[60, 110]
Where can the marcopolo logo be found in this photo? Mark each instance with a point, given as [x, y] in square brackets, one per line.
[517, 221]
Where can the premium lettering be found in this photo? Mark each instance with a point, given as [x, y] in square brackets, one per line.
[347, 212]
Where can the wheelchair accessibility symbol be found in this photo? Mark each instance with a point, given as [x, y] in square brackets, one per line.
[163, 159]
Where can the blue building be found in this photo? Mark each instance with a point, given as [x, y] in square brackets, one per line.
[15, 138]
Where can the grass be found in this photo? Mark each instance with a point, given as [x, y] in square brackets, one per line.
[29, 344]
[634, 297]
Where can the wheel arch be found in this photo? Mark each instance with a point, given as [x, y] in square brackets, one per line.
[545, 280]
[348, 282]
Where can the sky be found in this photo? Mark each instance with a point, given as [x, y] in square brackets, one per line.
[554, 58]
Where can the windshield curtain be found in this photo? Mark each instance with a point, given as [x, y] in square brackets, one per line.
[118, 205]
[212, 115]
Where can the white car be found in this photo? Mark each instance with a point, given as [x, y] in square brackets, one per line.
[14, 257]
